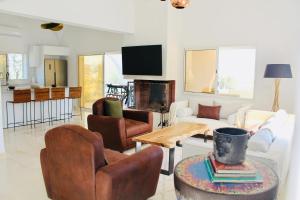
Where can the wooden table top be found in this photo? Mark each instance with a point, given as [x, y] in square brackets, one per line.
[167, 137]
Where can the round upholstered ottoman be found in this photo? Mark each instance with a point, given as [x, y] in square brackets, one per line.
[192, 182]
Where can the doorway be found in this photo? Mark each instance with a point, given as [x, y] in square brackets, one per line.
[91, 79]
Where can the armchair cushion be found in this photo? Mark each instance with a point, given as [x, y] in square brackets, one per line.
[134, 128]
[113, 108]
[112, 157]
[133, 178]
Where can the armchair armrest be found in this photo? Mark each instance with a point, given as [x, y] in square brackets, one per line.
[135, 177]
[46, 176]
[111, 129]
[138, 115]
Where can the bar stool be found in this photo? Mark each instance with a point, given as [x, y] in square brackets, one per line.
[41, 95]
[74, 93]
[19, 97]
[58, 94]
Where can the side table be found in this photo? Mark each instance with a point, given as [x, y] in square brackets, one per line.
[192, 182]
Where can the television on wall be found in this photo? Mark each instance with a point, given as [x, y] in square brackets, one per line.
[142, 60]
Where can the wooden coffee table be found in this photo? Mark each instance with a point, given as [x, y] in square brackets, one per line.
[168, 137]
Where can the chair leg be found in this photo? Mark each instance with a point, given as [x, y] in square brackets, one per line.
[14, 117]
[23, 113]
[33, 114]
[49, 118]
[7, 115]
[64, 110]
[80, 112]
[30, 115]
[69, 109]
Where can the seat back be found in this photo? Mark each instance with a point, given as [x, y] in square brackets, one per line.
[22, 96]
[57, 93]
[73, 156]
[41, 94]
[75, 92]
[98, 106]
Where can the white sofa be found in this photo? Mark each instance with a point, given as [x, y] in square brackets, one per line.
[278, 154]
[232, 112]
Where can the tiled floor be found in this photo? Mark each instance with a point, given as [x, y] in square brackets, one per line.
[20, 171]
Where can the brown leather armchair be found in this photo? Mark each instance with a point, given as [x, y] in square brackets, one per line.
[76, 166]
[117, 133]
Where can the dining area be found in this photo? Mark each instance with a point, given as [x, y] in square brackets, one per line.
[33, 106]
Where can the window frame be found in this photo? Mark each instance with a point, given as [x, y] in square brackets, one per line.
[216, 82]
[24, 65]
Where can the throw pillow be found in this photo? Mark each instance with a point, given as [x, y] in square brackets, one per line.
[210, 112]
[261, 140]
[113, 108]
[194, 102]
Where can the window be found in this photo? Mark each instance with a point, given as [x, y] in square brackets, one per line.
[14, 64]
[201, 71]
[236, 72]
[226, 71]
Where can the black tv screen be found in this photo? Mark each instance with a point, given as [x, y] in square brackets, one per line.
[142, 60]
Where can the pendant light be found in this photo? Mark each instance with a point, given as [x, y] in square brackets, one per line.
[179, 4]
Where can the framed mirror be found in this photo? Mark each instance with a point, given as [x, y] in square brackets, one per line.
[200, 70]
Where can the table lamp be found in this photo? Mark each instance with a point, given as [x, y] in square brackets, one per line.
[278, 71]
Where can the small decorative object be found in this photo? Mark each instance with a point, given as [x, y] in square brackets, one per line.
[230, 145]
[11, 87]
[179, 4]
[52, 26]
[278, 71]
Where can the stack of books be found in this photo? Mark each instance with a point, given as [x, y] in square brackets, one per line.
[221, 173]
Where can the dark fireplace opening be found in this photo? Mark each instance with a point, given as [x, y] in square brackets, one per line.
[158, 93]
[152, 95]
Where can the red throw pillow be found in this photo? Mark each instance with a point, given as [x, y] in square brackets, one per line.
[210, 112]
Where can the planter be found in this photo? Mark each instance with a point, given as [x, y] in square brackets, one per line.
[230, 145]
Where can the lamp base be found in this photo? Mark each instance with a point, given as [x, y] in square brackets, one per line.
[275, 107]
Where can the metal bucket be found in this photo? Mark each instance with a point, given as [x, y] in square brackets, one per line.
[230, 145]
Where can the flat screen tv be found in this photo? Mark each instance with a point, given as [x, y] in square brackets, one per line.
[142, 60]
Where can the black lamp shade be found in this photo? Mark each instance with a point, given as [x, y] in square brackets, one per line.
[278, 71]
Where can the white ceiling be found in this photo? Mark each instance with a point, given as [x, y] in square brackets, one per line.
[112, 15]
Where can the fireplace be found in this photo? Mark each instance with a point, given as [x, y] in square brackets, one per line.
[155, 96]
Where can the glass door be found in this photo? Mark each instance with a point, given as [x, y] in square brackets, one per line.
[91, 79]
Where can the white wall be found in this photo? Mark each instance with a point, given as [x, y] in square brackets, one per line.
[81, 41]
[269, 25]
[150, 28]
[112, 15]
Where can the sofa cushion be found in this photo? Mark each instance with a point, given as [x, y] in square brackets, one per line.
[261, 140]
[210, 112]
[184, 112]
[113, 156]
[228, 107]
[134, 128]
[113, 108]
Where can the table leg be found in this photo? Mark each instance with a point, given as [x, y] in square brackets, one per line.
[171, 163]
[138, 146]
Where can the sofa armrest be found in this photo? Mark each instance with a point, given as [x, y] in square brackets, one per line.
[173, 110]
[138, 115]
[135, 177]
[112, 130]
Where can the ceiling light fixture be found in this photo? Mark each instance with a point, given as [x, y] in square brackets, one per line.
[52, 26]
[179, 4]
